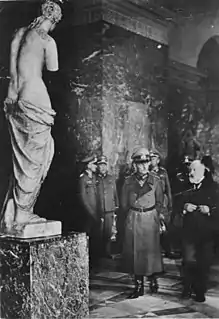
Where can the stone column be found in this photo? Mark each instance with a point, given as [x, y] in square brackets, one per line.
[117, 54]
[44, 278]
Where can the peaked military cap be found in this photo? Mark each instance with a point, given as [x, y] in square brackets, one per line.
[90, 158]
[155, 154]
[102, 160]
[187, 159]
[141, 155]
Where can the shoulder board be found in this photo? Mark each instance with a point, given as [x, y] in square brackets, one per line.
[82, 175]
[153, 175]
[128, 179]
[153, 178]
[163, 169]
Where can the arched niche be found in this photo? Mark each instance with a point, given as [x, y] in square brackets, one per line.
[208, 63]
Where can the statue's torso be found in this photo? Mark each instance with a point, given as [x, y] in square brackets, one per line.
[29, 61]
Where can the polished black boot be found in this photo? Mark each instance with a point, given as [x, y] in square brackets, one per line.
[153, 284]
[139, 287]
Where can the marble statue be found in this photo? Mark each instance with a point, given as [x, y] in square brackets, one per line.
[30, 116]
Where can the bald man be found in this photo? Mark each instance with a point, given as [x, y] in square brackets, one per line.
[198, 224]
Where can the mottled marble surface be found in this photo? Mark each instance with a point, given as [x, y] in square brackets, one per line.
[134, 94]
[46, 278]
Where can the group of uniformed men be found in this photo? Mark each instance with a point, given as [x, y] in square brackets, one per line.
[146, 202]
[147, 188]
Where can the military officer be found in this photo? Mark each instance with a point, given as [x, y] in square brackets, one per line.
[107, 200]
[88, 198]
[167, 203]
[141, 201]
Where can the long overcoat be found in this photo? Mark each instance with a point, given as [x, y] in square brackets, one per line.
[107, 202]
[141, 246]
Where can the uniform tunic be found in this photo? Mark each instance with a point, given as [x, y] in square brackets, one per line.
[88, 197]
[167, 203]
[107, 201]
[141, 247]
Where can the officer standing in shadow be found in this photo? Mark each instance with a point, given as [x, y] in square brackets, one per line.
[161, 172]
[107, 202]
[88, 199]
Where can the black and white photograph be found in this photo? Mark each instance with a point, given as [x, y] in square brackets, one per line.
[109, 165]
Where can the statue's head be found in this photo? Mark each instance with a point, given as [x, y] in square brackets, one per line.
[51, 10]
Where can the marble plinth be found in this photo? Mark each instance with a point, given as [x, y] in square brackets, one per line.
[44, 278]
[35, 230]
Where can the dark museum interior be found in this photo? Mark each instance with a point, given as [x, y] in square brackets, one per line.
[134, 76]
[121, 85]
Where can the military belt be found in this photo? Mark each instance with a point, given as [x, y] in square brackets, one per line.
[142, 209]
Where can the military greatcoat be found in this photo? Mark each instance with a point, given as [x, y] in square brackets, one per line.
[107, 201]
[88, 198]
[167, 203]
[142, 201]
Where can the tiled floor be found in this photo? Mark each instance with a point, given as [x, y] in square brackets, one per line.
[109, 289]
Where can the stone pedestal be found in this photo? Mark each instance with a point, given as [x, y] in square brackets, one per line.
[44, 278]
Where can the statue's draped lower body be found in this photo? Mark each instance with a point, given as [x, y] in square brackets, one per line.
[32, 153]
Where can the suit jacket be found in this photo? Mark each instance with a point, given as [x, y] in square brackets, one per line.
[196, 225]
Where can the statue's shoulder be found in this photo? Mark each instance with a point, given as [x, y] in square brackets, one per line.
[18, 34]
[44, 35]
[50, 39]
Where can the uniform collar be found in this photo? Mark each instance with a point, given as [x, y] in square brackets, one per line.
[102, 176]
[89, 173]
[141, 179]
[155, 169]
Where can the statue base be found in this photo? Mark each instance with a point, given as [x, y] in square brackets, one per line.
[35, 230]
[44, 278]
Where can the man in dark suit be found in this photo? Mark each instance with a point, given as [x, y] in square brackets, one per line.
[200, 218]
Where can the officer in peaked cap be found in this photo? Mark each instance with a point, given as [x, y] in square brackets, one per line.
[102, 160]
[141, 155]
[161, 172]
[89, 159]
[107, 203]
[141, 202]
[88, 198]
